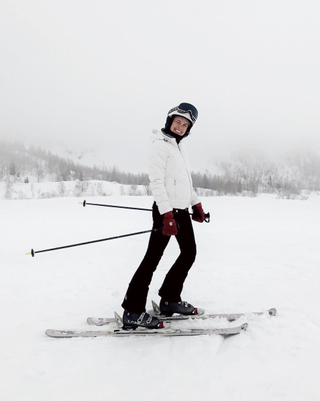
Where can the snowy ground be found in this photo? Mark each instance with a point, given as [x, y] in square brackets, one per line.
[255, 254]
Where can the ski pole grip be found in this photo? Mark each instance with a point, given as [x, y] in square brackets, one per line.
[207, 217]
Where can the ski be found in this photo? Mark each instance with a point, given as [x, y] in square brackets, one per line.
[139, 332]
[103, 321]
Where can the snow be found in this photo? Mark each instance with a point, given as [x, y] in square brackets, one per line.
[256, 253]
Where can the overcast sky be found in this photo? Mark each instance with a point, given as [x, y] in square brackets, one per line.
[102, 74]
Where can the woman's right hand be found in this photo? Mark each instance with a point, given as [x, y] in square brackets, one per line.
[169, 224]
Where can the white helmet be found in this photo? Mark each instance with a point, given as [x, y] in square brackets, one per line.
[185, 110]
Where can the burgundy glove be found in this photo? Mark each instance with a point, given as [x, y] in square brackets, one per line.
[169, 224]
[198, 213]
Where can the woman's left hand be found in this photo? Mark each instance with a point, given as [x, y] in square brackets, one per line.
[198, 213]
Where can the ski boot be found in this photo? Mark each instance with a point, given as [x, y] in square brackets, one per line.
[132, 320]
[182, 308]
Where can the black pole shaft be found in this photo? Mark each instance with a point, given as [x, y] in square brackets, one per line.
[32, 253]
[119, 207]
[84, 203]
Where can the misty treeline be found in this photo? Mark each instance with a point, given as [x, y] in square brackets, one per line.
[251, 173]
[21, 162]
[246, 174]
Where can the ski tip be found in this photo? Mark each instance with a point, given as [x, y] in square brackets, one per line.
[244, 326]
[49, 332]
[231, 331]
[53, 333]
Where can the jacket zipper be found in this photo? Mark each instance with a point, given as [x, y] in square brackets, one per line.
[188, 173]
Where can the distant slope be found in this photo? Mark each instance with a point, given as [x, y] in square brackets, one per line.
[246, 173]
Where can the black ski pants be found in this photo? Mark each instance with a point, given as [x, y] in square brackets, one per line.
[136, 296]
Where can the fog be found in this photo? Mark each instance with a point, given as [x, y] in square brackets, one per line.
[102, 74]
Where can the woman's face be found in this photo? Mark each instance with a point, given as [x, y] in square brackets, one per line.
[179, 125]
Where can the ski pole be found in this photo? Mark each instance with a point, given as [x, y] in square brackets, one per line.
[84, 203]
[33, 252]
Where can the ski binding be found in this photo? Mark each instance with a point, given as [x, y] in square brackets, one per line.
[103, 321]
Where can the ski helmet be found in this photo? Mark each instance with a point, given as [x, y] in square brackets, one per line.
[185, 110]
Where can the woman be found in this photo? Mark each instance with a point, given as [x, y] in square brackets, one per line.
[173, 193]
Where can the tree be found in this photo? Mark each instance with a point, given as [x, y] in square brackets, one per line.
[62, 189]
[8, 192]
[12, 168]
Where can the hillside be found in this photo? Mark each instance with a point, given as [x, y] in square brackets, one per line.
[246, 173]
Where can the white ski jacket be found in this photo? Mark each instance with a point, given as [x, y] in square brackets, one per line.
[170, 178]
